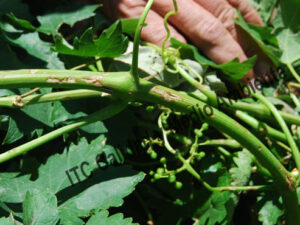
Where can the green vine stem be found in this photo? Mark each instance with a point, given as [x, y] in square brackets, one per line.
[15, 101]
[223, 142]
[122, 85]
[294, 72]
[174, 12]
[136, 43]
[284, 127]
[295, 85]
[103, 114]
[260, 126]
[259, 111]
[295, 100]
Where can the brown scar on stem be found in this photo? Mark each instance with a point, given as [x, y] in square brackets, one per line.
[168, 96]
[290, 182]
[260, 148]
[96, 80]
[56, 80]
[33, 71]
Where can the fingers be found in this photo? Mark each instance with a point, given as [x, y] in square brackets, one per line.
[248, 12]
[154, 32]
[222, 10]
[204, 30]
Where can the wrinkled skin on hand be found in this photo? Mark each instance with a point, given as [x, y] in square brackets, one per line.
[208, 24]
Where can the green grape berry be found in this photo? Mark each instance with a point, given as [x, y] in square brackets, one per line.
[163, 160]
[135, 104]
[202, 154]
[171, 178]
[198, 133]
[153, 155]
[156, 176]
[151, 173]
[160, 171]
[205, 126]
[178, 185]
[150, 108]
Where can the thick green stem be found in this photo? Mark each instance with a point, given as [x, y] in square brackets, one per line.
[17, 102]
[223, 142]
[103, 114]
[260, 111]
[260, 126]
[294, 72]
[284, 127]
[122, 85]
[295, 85]
[136, 43]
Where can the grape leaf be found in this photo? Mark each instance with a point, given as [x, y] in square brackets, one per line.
[111, 43]
[102, 218]
[8, 56]
[241, 173]
[129, 25]
[264, 8]
[269, 213]
[114, 184]
[288, 15]
[289, 42]
[234, 69]
[9, 221]
[24, 24]
[51, 22]
[52, 175]
[40, 208]
[32, 43]
[269, 51]
[31, 120]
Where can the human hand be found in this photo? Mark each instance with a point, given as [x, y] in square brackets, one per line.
[207, 24]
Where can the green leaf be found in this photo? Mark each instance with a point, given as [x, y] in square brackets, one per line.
[129, 25]
[258, 37]
[34, 46]
[8, 56]
[112, 43]
[51, 22]
[52, 175]
[102, 218]
[13, 133]
[265, 34]
[9, 221]
[115, 184]
[289, 43]
[28, 121]
[269, 213]
[264, 8]
[234, 69]
[60, 113]
[25, 24]
[288, 15]
[40, 208]
[219, 207]
[241, 173]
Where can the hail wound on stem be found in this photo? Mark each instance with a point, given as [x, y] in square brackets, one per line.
[56, 80]
[166, 95]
